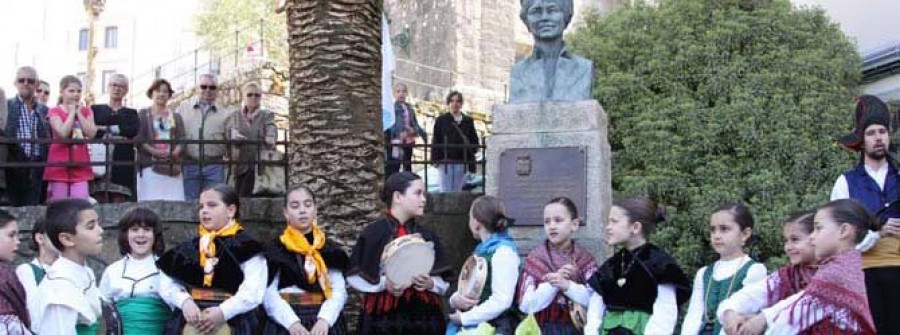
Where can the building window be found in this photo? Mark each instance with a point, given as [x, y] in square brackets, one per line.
[82, 40]
[112, 37]
[106, 76]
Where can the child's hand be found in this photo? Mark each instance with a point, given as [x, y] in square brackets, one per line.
[732, 321]
[297, 329]
[558, 281]
[423, 282]
[568, 271]
[191, 312]
[320, 328]
[463, 303]
[393, 289]
[753, 326]
[211, 320]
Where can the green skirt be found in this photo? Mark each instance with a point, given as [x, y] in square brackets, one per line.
[143, 315]
[635, 321]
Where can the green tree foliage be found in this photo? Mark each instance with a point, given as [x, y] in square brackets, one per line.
[218, 19]
[714, 101]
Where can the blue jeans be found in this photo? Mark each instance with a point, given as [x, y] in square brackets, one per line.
[453, 176]
[195, 180]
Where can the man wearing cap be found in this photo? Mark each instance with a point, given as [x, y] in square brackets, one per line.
[875, 184]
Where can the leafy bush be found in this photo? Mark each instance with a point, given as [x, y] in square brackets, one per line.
[714, 101]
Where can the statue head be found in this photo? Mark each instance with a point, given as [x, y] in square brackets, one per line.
[546, 19]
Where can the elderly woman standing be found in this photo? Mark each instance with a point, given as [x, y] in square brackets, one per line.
[160, 177]
[252, 123]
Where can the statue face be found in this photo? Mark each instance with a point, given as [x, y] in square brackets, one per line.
[546, 19]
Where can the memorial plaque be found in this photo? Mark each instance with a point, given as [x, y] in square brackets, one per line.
[529, 178]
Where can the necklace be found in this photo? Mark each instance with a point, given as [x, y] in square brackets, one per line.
[710, 321]
[622, 280]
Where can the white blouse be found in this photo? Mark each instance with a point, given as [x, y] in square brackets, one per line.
[280, 311]
[249, 294]
[504, 276]
[536, 299]
[68, 297]
[696, 312]
[128, 277]
[662, 320]
[29, 282]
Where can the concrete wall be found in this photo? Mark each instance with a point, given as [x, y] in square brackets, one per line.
[446, 215]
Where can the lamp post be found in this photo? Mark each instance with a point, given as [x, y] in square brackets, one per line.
[93, 8]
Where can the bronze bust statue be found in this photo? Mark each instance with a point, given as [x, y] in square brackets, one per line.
[551, 73]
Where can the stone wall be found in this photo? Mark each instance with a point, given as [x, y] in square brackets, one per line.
[446, 215]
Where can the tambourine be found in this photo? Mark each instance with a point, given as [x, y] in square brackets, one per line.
[473, 277]
[405, 258]
[111, 321]
[578, 314]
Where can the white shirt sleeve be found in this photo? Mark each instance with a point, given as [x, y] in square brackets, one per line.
[665, 312]
[693, 320]
[755, 273]
[504, 275]
[172, 292]
[748, 300]
[251, 291]
[778, 316]
[32, 300]
[579, 293]
[278, 309]
[358, 283]
[58, 320]
[105, 287]
[331, 308]
[537, 299]
[840, 190]
[440, 285]
[595, 313]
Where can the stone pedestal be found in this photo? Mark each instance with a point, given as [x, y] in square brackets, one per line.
[555, 125]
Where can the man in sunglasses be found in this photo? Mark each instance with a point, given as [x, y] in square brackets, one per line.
[43, 93]
[115, 121]
[204, 120]
[26, 121]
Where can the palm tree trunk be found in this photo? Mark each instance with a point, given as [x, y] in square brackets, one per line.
[335, 111]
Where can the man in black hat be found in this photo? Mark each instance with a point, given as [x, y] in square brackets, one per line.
[875, 184]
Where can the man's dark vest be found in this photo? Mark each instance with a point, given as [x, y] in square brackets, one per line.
[865, 190]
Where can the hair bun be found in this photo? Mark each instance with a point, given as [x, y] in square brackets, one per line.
[503, 222]
[660, 213]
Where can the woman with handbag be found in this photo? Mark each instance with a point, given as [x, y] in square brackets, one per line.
[455, 144]
[251, 123]
[160, 175]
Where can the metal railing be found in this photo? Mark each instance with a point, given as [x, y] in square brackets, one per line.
[259, 161]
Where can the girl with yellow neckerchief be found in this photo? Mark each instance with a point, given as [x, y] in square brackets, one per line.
[217, 277]
[307, 290]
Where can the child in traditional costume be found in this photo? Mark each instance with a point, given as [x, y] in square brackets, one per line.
[554, 280]
[489, 224]
[730, 227]
[217, 277]
[834, 302]
[32, 273]
[389, 308]
[638, 289]
[69, 297]
[14, 317]
[307, 293]
[133, 281]
[785, 282]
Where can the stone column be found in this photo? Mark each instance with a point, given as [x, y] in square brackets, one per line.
[555, 125]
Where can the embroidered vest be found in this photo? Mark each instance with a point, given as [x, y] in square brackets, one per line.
[716, 292]
[865, 190]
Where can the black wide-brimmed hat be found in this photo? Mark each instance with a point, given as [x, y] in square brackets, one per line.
[869, 110]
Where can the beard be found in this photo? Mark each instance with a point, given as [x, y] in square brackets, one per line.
[876, 154]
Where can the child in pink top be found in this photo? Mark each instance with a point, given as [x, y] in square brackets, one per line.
[69, 120]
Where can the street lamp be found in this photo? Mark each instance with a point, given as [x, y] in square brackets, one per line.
[93, 8]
